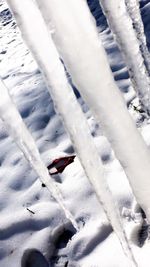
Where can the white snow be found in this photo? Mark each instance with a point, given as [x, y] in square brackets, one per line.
[95, 244]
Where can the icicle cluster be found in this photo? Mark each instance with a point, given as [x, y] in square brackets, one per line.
[86, 61]
[40, 43]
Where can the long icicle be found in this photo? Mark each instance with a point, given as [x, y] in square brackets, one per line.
[134, 12]
[43, 49]
[19, 132]
[121, 25]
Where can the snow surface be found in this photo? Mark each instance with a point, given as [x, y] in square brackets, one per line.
[21, 192]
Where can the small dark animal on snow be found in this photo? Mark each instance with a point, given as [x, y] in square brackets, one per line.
[60, 164]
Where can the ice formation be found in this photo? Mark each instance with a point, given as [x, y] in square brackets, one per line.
[121, 25]
[134, 11]
[44, 51]
[76, 37]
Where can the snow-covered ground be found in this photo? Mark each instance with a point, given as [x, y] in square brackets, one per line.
[29, 217]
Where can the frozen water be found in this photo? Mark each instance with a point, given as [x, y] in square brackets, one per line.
[99, 89]
[20, 189]
[134, 11]
[118, 20]
[65, 103]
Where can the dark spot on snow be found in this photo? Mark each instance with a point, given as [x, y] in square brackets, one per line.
[25, 111]
[38, 71]
[76, 92]
[81, 220]
[11, 41]
[30, 211]
[5, 77]
[37, 197]
[16, 185]
[3, 52]
[97, 13]
[143, 233]
[63, 239]
[143, 3]
[43, 185]
[5, 14]
[6, 23]
[69, 150]
[33, 257]
[40, 122]
[66, 264]
[117, 67]
[60, 241]
[57, 178]
[121, 76]
[142, 213]
[111, 49]
[13, 25]
[105, 157]
[16, 161]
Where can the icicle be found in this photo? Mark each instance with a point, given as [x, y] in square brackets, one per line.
[44, 51]
[19, 132]
[134, 11]
[121, 25]
[85, 58]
